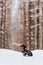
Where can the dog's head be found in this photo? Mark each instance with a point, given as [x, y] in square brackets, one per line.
[23, 48]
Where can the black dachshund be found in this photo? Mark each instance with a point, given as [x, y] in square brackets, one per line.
[26, 52]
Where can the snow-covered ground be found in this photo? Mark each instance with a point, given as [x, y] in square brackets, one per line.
[9, 57]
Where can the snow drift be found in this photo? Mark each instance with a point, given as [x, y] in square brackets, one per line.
[9, 57]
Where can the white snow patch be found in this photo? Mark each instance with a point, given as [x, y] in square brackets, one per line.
[9, 57]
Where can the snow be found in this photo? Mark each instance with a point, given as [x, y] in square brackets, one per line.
[10, 57]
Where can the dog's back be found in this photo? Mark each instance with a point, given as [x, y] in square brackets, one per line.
[27, 52]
